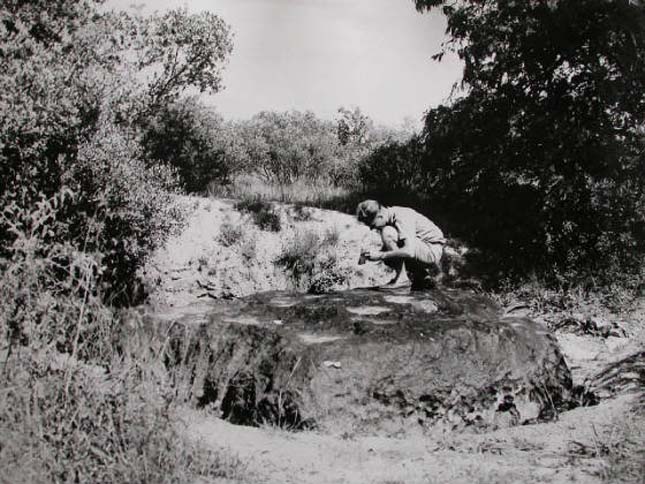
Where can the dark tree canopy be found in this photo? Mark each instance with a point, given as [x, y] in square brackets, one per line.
[543, 150]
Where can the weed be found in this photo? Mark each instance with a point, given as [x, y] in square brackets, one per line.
[298, 255]
[268, 220]
[248, 249]
[264, 214]
[328, 276]
[624, 451]
[230, 234]
[311, 262]
[302, 213]
[332, 236]
[202, 261]
[84, 396]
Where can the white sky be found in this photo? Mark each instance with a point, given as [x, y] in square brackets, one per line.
[323, 54]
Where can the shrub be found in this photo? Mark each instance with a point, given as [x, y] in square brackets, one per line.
[230, 234]
[84, 396]
[76, 126]
[186, 135]
[302, 213]
[248, 249]
[328, 276]
[311, 263]
[543, 168]
[264, 213]
[80, 213]
[123, 210]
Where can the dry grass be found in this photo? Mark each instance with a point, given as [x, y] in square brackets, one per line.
[247, 186]
[311, 261]
[230, 234]
[263, 213]
[623, 450]
[84, 396]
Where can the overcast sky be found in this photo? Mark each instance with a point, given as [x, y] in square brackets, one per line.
[321, 54]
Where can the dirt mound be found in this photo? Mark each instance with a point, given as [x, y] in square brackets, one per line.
[223, 252]
[373, 362]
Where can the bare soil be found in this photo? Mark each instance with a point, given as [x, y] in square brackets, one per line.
[601, 443]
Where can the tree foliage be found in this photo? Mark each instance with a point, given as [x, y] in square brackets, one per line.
[294, 146]
[191, 138]
[76, 84]
[290, 146]
[353, 126]
[542, 155]
[82, 395]
[178, 51]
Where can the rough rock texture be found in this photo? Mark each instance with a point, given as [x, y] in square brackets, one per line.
[367, 361]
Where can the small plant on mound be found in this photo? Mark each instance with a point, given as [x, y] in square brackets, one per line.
[230, 234]
[311, 262]
[264, 214]
[328, 275]
[302, 213]
[248, 248]
[331, 236]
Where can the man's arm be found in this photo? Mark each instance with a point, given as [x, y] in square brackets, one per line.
[402, 252]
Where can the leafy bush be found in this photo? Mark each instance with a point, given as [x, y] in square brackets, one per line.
[264, 213]
[80, 213]
[294, 148]
[290, 146]
[230, 234]
[311, 262]
[186, 135]
[540, 161]
[76, 126]
[84, 395]
[395, 172]
[124, 210]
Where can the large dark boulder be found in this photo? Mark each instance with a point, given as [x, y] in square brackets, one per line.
[369, 361]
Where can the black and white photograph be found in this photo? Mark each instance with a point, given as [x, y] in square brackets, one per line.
[322, 241]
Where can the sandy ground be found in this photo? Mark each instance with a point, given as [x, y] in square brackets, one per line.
[603, 443]
[559, 452]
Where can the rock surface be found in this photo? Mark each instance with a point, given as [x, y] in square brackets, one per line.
[367, 361]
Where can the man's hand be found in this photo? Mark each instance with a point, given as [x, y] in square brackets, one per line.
[373, 255]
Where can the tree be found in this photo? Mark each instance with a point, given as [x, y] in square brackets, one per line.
[178, 51]
[544, 149]
[186, 135]
[290, 146]
[353, 126]
[75, 86]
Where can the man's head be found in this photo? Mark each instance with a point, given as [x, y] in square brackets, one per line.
[371, 213]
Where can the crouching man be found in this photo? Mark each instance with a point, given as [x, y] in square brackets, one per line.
[412, 244]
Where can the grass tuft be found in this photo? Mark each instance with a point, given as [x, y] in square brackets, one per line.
[311, 262]
[264, 213]
[230, 234]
